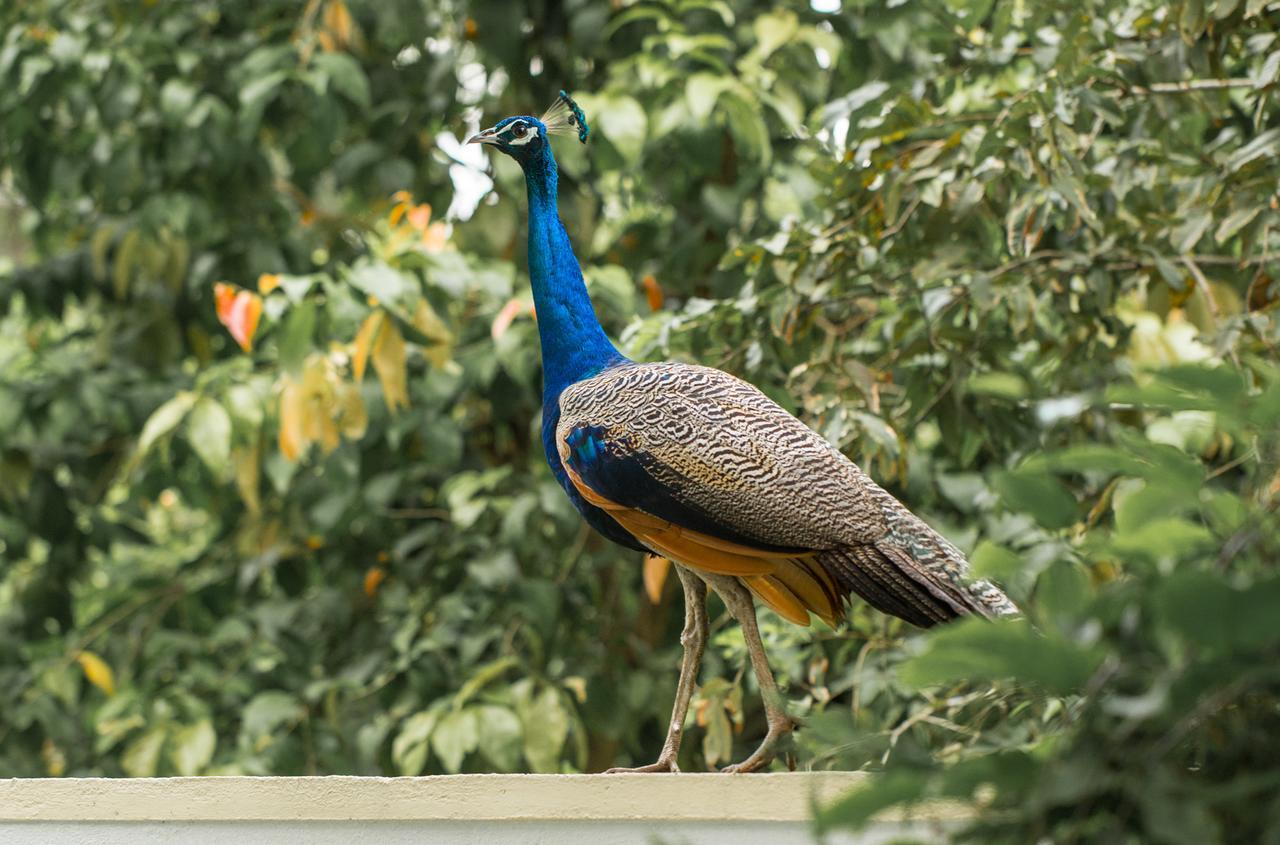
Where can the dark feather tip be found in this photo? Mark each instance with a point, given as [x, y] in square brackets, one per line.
[581, 119]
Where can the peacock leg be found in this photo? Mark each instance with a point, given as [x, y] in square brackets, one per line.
[694, 640]
[738, 601]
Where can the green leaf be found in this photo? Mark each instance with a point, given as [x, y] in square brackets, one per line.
[500, 736]
[717, 742]
[1039, 494]
[254, 98]
[1161, 539]
[545, 724]
[702, 90]
[1186, 235]
[455, 736]
[176, 99]
[296, 336]
[1237, 219]
[858, 807]
[1208, 613]
[746, 124]
[141, 757]
[191, 747]
[772, 30]
[209, 432]
[384, 283]
[346, 76]
[1006, 385]
[994, 561]
[411, 746]
[977, 649]
[267, 712]
[624, 123]
[1063, 591]
[164, 420]
[1264, 146]
[1137, 503]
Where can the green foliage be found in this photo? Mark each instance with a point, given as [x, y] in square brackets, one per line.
[1012, 258]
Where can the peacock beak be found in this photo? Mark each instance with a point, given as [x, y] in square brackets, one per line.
[488, 136]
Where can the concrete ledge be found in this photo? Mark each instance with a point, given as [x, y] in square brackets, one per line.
[683, 797]
[706, 809]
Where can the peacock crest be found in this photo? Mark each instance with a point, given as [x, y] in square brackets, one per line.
[566, 118]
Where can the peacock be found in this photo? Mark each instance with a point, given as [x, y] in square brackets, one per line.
[700, 467]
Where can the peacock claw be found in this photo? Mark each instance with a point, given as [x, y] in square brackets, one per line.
[661, 766]
[763, 756]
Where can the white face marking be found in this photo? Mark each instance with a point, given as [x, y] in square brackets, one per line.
[530, 133]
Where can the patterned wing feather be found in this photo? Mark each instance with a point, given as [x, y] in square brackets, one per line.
[711, 457]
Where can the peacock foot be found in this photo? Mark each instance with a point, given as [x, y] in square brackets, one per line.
[763, 756]
[665, 763]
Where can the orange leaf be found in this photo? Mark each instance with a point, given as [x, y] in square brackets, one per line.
[653, 292]
[223, 297]
[655, 576]
[364, 342]
[239, 311]
[337, 20]
[435, 237]
[373, 578]
[505, 317]
[420, 216]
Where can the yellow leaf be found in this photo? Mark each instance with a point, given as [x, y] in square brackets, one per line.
[364, 342]
[97, 671]
[389, 359]
[268, 282]
[655, 576]
[292, 439]
[55, 762]
[318, 424]
[427, 321]
[352, 415]
[247, 465]
[338, 24]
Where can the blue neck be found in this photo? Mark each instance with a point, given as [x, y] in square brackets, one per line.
[574, 346]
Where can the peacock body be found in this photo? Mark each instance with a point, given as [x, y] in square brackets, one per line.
[702, 467]
[696, 465]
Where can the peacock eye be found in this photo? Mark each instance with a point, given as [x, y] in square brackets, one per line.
[519, 130]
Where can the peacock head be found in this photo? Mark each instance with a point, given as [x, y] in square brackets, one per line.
[524, 137]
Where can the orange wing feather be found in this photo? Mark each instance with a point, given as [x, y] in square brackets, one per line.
[783, 581]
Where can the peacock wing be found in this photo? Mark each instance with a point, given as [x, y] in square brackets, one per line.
[703, 467]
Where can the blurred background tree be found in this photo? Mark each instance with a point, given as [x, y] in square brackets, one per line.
[271, 495]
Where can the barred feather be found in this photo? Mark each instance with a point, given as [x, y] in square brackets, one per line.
[708, 459]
